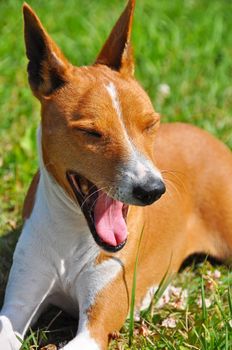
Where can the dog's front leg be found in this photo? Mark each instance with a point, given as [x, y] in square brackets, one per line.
[104, 304]
[30, 282]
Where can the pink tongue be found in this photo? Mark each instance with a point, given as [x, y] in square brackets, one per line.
[109, 222]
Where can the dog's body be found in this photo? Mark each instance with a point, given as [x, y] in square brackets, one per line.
[57, 261]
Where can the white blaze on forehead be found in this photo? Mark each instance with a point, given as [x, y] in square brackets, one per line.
[112, 91]
[115, 100]
[141, 166]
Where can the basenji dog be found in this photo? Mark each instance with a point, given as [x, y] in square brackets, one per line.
[104, 166]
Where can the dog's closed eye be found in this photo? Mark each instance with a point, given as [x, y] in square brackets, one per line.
[92, 133]
[151, 123]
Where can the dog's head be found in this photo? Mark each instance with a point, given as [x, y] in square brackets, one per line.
[98, 125]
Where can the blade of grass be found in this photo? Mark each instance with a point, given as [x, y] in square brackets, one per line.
[199, 338]
[229, 300]
[204, 309]
[25, 343]
[168, 343]
[227, 340]
[132, 305]
[223, 315]
[35, 343]
[166, 280]
[163, 286]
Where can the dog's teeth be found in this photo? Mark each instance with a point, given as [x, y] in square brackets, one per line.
[84, 188]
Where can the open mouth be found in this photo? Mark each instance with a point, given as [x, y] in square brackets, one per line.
[106, 217]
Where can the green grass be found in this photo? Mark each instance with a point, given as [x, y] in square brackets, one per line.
[133, 293]
[186, 44]
[198, 325]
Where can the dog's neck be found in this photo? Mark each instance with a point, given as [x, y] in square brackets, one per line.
[62, 217]
[54, 194]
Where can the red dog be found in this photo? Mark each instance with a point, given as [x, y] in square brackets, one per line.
[103, 164]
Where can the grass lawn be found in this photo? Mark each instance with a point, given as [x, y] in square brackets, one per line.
[183, 52]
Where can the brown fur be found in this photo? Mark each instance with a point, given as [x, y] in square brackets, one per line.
[30, 197]
[117, 52]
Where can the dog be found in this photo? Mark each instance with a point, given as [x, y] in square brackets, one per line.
[105, 180]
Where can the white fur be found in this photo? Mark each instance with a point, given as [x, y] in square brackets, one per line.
[111, 88]
[55, 254]
[138, 168]
[141, 170]
[115, 101]
[82, 341]
[8, 339]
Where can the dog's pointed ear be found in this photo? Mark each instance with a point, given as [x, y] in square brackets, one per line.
[47, 68]
[117, 52]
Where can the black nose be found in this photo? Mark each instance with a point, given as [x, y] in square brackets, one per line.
[149, 193]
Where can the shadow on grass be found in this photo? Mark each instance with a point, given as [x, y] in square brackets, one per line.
[55, 327]
[7, 246]
[198, 258]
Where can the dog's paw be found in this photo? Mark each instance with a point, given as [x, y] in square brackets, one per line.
[8, 339]
[82, 341]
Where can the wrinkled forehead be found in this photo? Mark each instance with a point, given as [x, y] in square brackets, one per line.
[106, 87]
[97, 91]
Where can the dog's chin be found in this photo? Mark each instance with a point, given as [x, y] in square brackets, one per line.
[105, 216]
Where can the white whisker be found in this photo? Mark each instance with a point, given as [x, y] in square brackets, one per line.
[102, 194]
[89, 196]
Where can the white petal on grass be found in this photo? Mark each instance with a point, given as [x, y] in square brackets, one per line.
[169, 322]
[217, 274]
[175, 291]
[208, 302]
[164, 299]
[164, 90]
[137, 315]
[210, 284]
[175, 297]
[180, 302]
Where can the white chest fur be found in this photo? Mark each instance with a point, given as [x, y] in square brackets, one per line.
[59, 230]
[56, 255]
